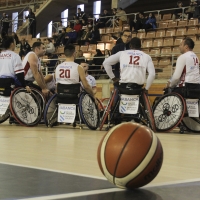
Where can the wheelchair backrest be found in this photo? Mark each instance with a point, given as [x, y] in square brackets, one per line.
[192, 90]
[6, 86]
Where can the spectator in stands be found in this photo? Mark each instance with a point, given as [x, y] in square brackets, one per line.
[84, 25]
[49, 46]
[100, 22]
[77, 28]
[98, 61]
[105, 14]
[197, 9]
[60, 38]
[54, 59]
[32, 23]
[70, 37]
[90, 20]
[190, 11]
[60, 27]
[113, 19]
[39, 40]
[126, 38]
[119, 40]
[94, 36]
[150, 23]
[69, 27]
[122, 17]
[139, 24]
[79, 57]
[15, 37]
[179, 13]
[85, 37]
[81, 15]
[24, 48]
[5, 24]
[107, 53]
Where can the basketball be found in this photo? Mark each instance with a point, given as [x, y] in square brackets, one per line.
[130, 155]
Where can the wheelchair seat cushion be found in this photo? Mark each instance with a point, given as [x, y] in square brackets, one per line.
[192, 90]
[130, 88]
[5, 86]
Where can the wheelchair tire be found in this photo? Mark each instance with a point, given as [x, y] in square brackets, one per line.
[89, 111]
[169, 111]
[192, 124]
[51, 111]
[25, 107]
[148, 112]
[5, 116]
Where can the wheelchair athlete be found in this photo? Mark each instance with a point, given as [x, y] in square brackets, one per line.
[186, 82]
[133, 66]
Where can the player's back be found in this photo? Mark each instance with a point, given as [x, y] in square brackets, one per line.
[67, 73]
[133, 66]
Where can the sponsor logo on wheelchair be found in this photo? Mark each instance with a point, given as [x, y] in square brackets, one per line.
[66, 113]
[4, 103]
[192, 107]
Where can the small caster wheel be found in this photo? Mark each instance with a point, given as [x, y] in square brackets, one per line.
[10, 122]
[181, 131]
[81, 127]
[74, 125]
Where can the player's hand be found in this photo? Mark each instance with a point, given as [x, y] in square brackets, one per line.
[145, 91]
[115, 80]
[28, 89]
[46, 92]
[168, 84]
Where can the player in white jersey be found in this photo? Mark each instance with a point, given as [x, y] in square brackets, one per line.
[133, 66]
[32, 67]
[10, 62]
[187, 70]
[90, 79]
[50, 82]
[70, 72]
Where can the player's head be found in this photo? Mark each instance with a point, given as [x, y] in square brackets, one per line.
[187, 44]
[69, 51]
[39, 49]
[135, 43]
[85, 65]
[8, 43]
[126, 36]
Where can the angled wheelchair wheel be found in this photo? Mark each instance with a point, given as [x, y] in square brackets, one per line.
[5, 116]
[192, 124]
[169, 111]
[148, 114]
[89, 111]
[25, 107]
[51, 112]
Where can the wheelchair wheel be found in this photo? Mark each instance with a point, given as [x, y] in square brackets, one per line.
[5, 116]
[25, 107]
[148, 114]
[51, 112]
[89, 111]
[169, 111]
[41, 98]
[192, 124]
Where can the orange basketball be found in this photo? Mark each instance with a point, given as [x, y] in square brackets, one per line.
[130, 155]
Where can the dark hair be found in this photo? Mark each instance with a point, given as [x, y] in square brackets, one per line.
[189, 42]
[125, 31]
[135, 43]
[69, 50]
[49, 40]
[36, 44]
[7, 41]
[99, 53]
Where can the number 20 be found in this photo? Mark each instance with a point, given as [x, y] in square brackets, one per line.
[135, 61]
[64, 73]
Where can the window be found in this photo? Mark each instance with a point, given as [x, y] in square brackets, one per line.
[38, 35]
[81, 6]
[49, 30]
[97, 8]
[64, 16]
[14, 21]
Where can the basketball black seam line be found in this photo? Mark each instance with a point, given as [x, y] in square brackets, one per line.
[122, 152]
[144, 157]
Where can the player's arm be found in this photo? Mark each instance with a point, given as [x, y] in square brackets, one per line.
[112, 60]
[151, 74]
[86, 86]
[180, 64]
[48, 78]
[94, 87]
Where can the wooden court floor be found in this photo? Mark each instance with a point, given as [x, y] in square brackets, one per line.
[71, 150]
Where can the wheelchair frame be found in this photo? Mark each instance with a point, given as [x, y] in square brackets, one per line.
[145, 111]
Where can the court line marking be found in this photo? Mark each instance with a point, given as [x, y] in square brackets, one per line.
[57, 171]
[103, 191]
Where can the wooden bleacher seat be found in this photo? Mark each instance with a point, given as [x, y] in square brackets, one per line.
[160, 33]
[155, 51]
[147, 43]
[182, 23]
[193, 22]
[101, 46]
[151, 34]
[145, 50]
[87, 55]
[177, 41]
[126, 27]
[60, 50]
[158, 17]
[118, 29]
[172, 24]
[141, 35]
[167, 16]
[105, 38]
[158, 42]
[176, 50]
[163, 25]
[170, 32]
[109, 46]
[109, 30]
[155, 62]
[192, 30]
[168, 41]
[77, 47]
[92, 47]
[102, 30]
[84, 48]
[181, 32]
[166, 51]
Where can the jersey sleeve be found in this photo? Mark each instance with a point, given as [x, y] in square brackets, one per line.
[93, 82]
[180, 64]
[151, 72]
[112, 60]
[17, 64]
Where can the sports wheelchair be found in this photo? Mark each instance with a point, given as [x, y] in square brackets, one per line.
[171, 110]
[68, 95]
[19, 105]
[114, 111]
